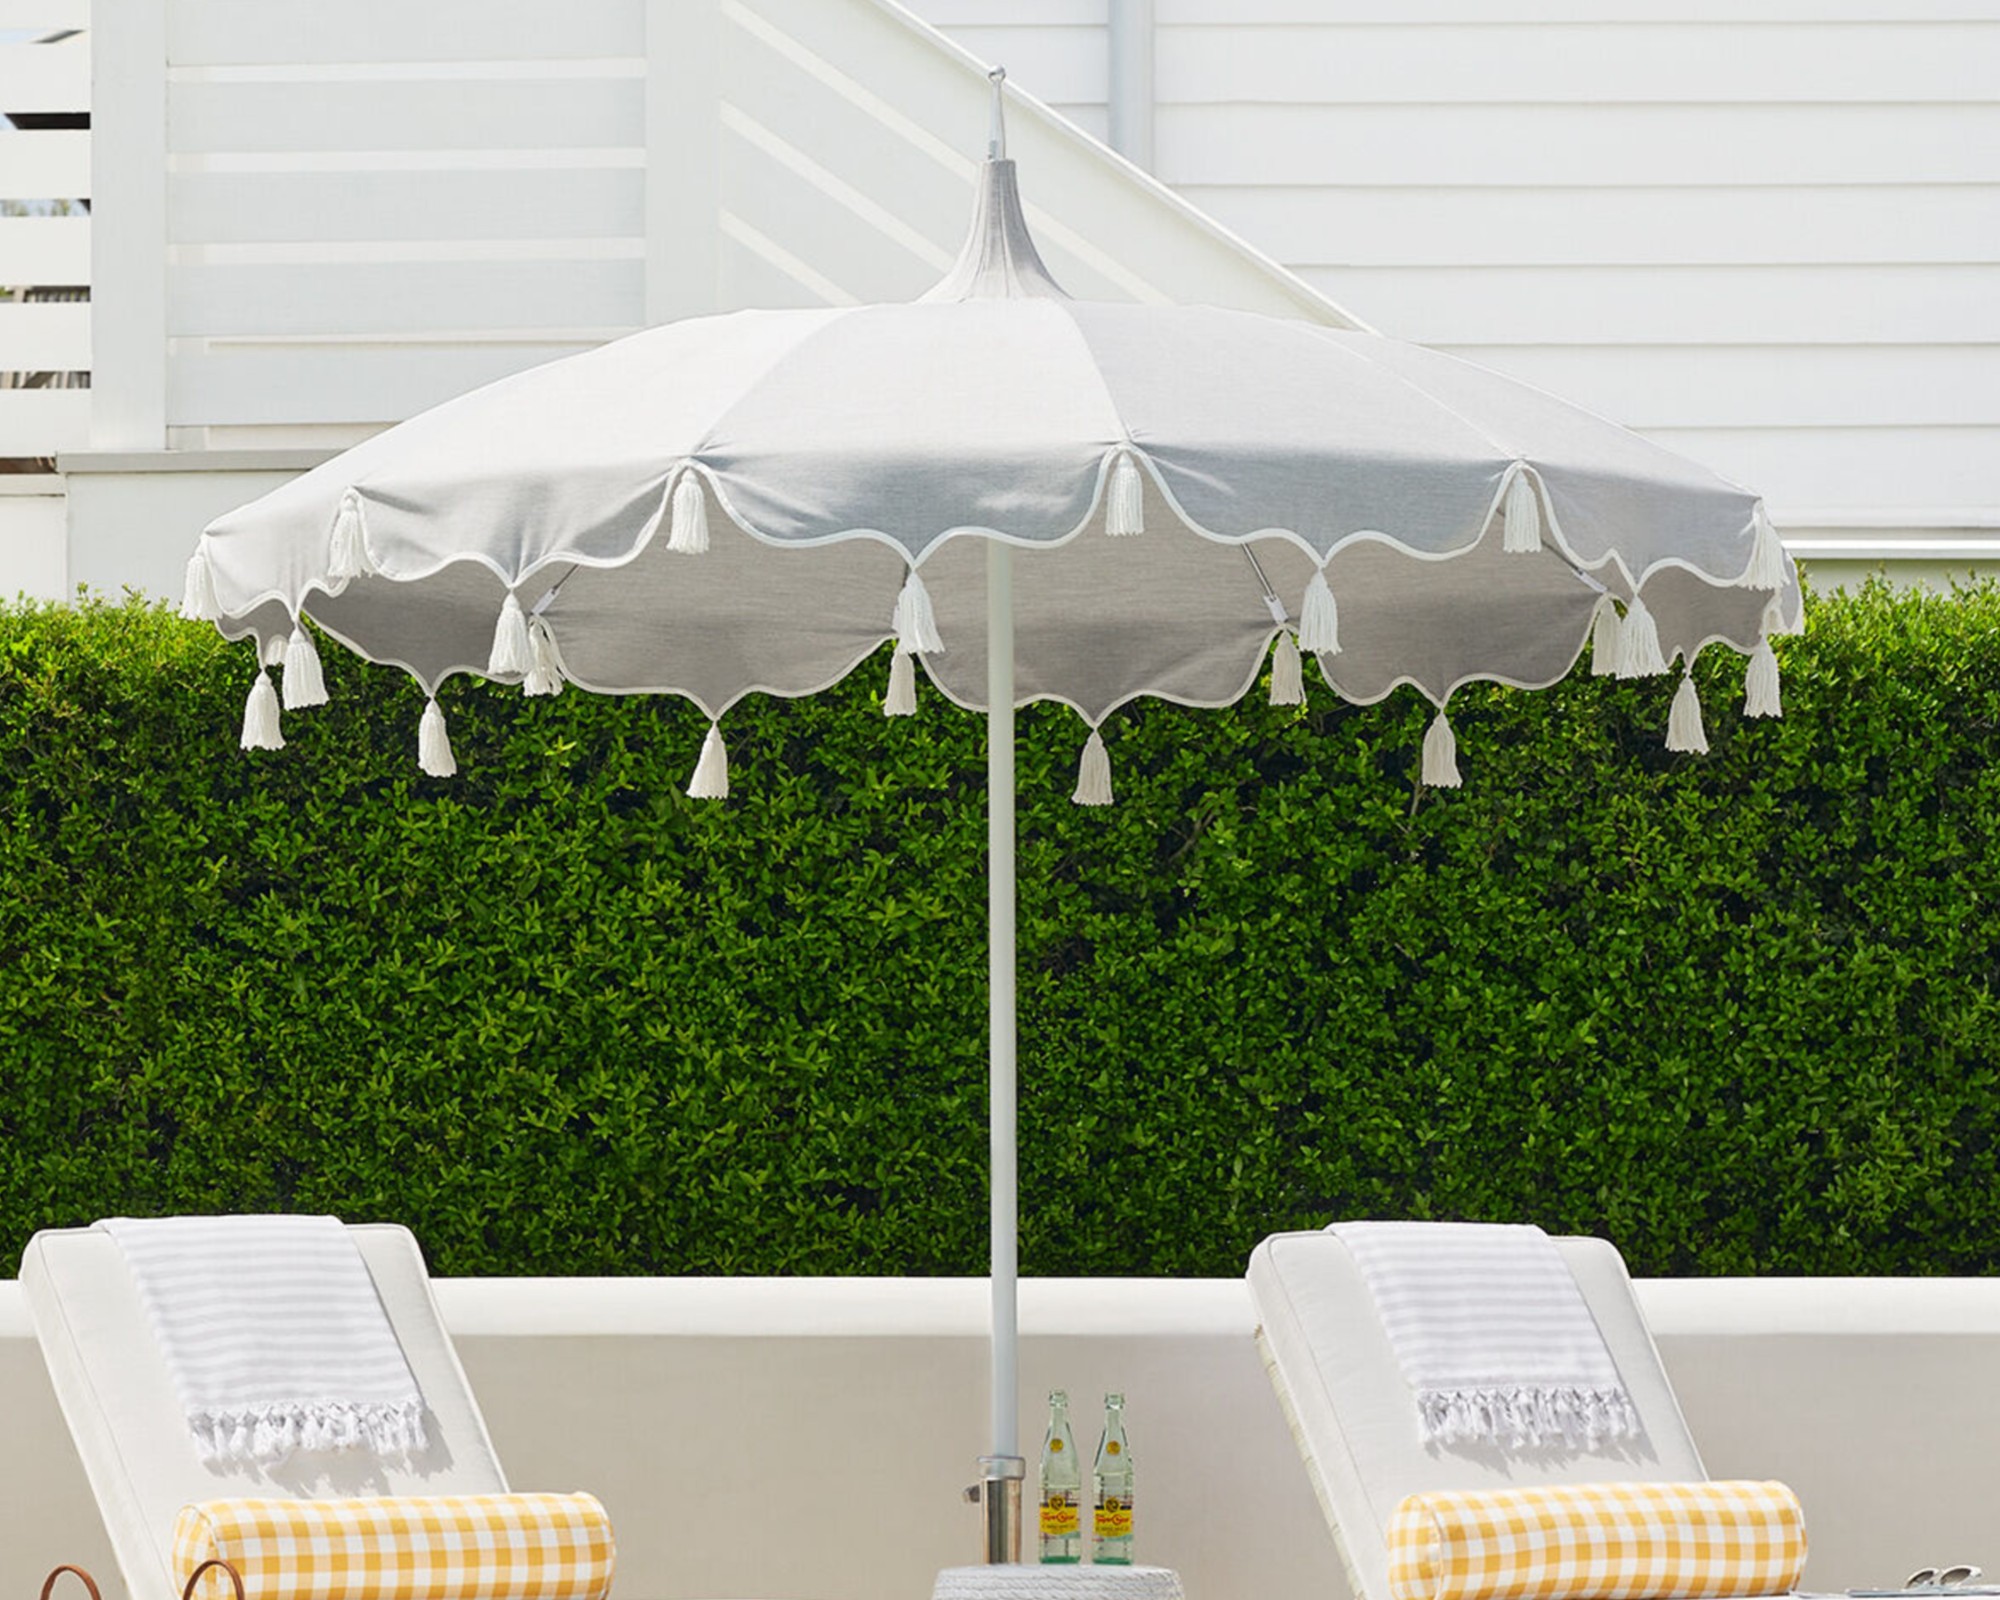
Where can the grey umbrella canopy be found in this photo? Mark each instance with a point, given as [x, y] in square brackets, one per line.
[1035, 498]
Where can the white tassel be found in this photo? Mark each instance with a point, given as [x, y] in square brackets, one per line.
[511, 652]
[711, 772]
[545, 674]
[198, 601]
[1760, 683]
[305, 684]
[1093, 773]
[1288, 683]
[1441, 754]
[1319, 619]
[1767, 555]
[260, 716]
[688, 533]
[1639, 643]
[1684, 732]
[1521, 530]
[901, 700]
[271, 651]
[914, 622]
[434, 743]
[1604, 645]
[348, 557]
[1125, 505]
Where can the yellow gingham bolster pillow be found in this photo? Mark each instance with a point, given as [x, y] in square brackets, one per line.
[444, 1547]
[1606, 1541]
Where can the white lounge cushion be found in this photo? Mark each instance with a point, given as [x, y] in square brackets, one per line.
[1356, 1421]
[121, 1407]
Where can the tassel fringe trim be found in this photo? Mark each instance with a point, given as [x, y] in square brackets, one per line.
[711, 772]
[1288, 683]
[545, 675]
[1767, 555]
[1684, 730]
[1604, 644]
[1760, 684]
[1521, 526]
[914, 621]
[267, 1435]
[1441, 755]
[901, 700]
[1639, 643]
[305, 683]
[511, 653]
[434, 743]
[687, 530]
[198, 601]
[1093, 773]
[1125, 503]
[347, 556]
[260, 716]
[1319, 619]
[1527, 1415]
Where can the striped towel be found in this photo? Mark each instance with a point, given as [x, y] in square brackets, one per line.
[1492, 1334]
[273, 1336]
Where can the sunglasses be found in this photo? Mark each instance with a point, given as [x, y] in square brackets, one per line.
[1940, 1577]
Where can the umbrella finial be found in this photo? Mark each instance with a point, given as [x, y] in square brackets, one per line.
[999, 261]
[996, 133]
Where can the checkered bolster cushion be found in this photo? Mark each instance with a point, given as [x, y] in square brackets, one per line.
[447, 1547]
[1610, 1541]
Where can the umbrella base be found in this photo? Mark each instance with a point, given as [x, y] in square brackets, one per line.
[998, 1496]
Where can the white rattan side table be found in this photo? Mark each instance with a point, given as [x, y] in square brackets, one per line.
[1035, 1581]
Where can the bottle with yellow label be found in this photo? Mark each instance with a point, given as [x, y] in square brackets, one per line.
[1111, 1484]
[1061, 1486]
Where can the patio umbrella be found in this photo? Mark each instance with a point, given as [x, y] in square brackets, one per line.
[1035, 498]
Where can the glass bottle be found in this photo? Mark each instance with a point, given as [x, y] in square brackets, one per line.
[1111, 1490]
[1061, 1486]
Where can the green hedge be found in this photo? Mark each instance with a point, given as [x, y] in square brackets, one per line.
[1737, 1013]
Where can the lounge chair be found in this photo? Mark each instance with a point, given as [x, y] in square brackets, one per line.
[1356, 1424]
[137, 1452]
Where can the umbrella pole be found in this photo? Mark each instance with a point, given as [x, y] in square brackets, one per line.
[1004, 1470]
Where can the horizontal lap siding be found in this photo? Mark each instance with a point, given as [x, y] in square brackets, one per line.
[1765, 232]
[373, 206]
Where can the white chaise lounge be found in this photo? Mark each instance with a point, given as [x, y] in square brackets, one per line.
[1356, 1422]
[116, 1396]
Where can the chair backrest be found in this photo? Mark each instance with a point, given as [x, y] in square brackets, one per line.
[1355, 1418]
[119, 1401]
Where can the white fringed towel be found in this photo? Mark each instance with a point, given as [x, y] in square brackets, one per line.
[1492, 1334]
[274, 1337]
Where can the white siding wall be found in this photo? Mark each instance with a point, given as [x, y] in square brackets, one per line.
[1766, 232]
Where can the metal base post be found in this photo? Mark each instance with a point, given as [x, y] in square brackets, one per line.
[998, 1496]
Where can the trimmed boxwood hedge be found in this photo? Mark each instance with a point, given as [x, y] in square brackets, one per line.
[1734, 1012]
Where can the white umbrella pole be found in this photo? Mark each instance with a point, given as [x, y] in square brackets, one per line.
[1002, 1528]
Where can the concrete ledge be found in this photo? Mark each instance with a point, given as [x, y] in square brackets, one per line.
[808, 1437]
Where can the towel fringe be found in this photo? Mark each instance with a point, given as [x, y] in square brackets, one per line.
[1527, 1414]
[266, 1435]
